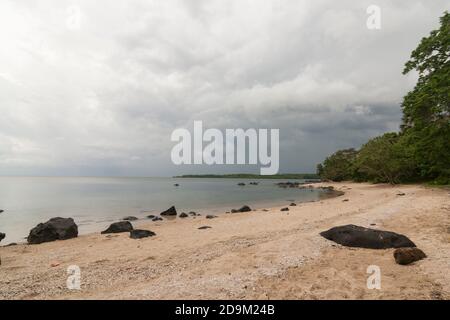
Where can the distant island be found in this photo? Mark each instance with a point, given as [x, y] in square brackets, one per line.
[253, 176]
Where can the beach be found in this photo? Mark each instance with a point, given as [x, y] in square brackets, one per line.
[260, 254]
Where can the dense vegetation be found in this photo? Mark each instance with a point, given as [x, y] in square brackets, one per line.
[254, 176]
[421, 150]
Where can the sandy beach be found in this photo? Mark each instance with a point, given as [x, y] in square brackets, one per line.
[252, 255]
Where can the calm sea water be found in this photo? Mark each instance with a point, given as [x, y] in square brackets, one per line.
[95, 202]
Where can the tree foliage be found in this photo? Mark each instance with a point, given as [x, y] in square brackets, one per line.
[421, 150]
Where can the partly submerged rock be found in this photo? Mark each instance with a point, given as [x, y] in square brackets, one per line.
[356, 236]
[2, 236]
[121, 226]
[138, 234]
[241, 184]
[151, 216]
[54, 229]
[408, 255]
[169, 212]
[242, 209]
[130, 218]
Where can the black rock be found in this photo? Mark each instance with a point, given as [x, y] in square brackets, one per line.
[2, 236]
[2, 211]
[130, 218]
[401, 194]
[284, 209]
[54, 229]
[406, 256]
[210, 216]
[138, 234]
[176, 185]
[169, 212]
[183, 215]
[293, 204]
[243, 209]
[241, 184]
[157, 219]
[204, 227]
[356, 236]
[121, 226]
[151, 216]
[345, 200]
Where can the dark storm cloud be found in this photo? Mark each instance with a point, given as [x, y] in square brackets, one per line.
[103, 95]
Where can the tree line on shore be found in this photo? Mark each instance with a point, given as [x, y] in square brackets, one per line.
[420, 151]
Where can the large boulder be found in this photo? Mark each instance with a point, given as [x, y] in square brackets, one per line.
[138, 234]
[169, 212]
[117, 227]
[408, 255]
[356, 236]
[54, 229]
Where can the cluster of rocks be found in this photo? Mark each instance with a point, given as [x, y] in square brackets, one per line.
[254, 183]
[126, 226]
[355, 236]
[288, 184]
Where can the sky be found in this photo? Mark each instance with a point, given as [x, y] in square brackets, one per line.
[95, 88]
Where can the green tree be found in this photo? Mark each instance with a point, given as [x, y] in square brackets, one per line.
[338, 166]
[426, 109]
[386, 159]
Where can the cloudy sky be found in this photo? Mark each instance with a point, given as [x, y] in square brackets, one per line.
[97, 87]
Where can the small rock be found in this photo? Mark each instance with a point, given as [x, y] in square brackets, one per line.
[130, 218]
[210, 216]
[241, 184]
[406, 256]
[151, 216]
[157, 219]
[284, 209]
[176, 185]
[169, 212]
[2, 211]
[345, 200]
[117, 227]
[204, 227]
[2, 236]
[138, 234]
[401, 194]
[292, 204]
[242, 209]
[183, 215]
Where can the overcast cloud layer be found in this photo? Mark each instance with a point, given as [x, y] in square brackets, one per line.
[102, 97]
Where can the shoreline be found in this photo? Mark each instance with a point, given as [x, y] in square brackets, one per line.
[252, 255]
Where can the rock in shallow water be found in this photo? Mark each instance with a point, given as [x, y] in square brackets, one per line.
[242, 209]
[130, 218]
[356, 236]
[169, 212]
[405, 256]
[54, 229]
[116, 227]
[2, 236]
[138, 234]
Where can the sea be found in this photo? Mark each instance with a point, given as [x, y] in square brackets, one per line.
[96, 202]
